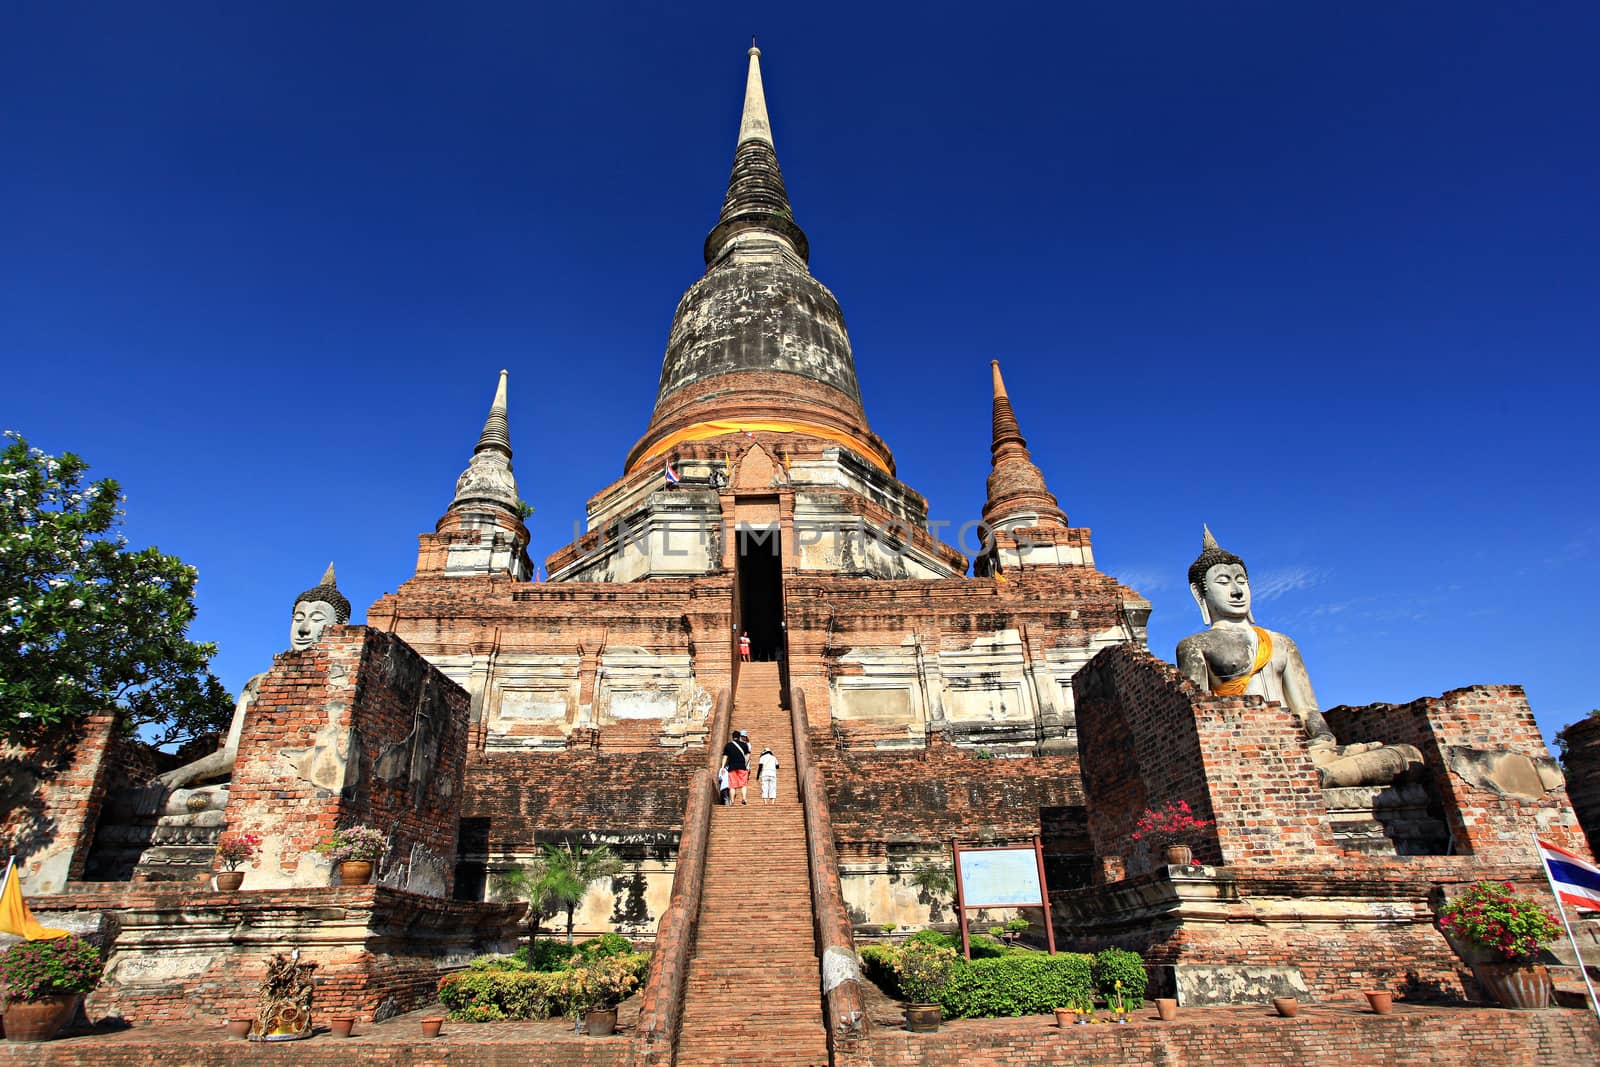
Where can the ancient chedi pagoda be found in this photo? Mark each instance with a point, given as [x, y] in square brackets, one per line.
[758, 501]
[479, 715]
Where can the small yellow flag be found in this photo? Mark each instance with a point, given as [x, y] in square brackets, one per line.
[15, 918]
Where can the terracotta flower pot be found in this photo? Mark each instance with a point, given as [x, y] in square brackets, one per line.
[1167, 1008]
[355, 872]
[39, 1020]
[600, 1022]
[1179, 855]
[240, 1027]
[230, 881]
[1525, 986]
[431, 1027]
[922, 1018]
[1381, 1001]
[1288, 1007]
[1065, 1017]
[341, 1024]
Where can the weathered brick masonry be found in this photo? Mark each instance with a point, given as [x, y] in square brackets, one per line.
[357, 729]
[178, 953]
[1582, 743]
[50, 799]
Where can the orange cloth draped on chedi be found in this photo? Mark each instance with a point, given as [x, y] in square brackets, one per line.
[1234, 687]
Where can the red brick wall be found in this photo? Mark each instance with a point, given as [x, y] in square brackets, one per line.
[932, 795]
[1458, 1038]
[1147, 736]
[393, 731]
[1483, 823]
[52, 796]
[177, 955]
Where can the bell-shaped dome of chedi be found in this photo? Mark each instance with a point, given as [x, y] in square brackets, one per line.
[758, 343]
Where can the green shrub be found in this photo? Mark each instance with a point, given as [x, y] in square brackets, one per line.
[877, 963]
[482, 996]
[605, 945]
[924, 970]
[984, 947]
[30, 970]
[934, 937]
[480, 1013]
[497, 963]
[1115, 965]
[548, 955]
[1031, 983]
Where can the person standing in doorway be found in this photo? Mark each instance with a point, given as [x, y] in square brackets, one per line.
[744, 647]
[767, 771]
[736, 761]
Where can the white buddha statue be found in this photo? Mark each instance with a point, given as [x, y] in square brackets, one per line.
[315, 610]
[1236, 657]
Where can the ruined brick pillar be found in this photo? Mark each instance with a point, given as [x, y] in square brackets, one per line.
[356, 729]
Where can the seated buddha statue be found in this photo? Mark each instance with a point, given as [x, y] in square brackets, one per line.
[315, 610]
[1236, 657]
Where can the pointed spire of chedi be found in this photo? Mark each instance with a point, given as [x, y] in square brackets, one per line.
[756, 208]
[488, 479]
[758, 343]
[496, 431]
[1017, 493]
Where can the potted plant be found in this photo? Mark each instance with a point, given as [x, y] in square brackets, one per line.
[1499, 934]
[1174, 827]
[234, 850]
[923, 970]
[43, 981]
[355, 849]
[594, 987]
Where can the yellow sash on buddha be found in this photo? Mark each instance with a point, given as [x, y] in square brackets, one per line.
[1234, 687]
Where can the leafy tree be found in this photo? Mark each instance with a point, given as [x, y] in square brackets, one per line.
[574, 869]
[544, 887]
[86, 625]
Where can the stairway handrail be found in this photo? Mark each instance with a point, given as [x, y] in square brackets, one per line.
[661, 1005]
[843, 1000]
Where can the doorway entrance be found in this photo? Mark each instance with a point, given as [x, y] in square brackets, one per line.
[760, 569]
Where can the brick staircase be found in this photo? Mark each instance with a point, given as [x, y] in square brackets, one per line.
[753, 994]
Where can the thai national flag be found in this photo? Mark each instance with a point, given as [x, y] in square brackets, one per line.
[1576, 881]
[672, 475]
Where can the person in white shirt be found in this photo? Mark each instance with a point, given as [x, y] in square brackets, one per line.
[767, 771]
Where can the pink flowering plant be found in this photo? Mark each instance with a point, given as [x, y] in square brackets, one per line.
[63, 966]
[1491, 916]
[355, 844]
[1171, 824]
[236, 849]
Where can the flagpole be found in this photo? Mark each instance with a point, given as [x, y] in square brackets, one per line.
[1544, 865]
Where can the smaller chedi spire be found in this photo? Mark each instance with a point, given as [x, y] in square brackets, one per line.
[488, 479]
[1017, 493]
[496, 431]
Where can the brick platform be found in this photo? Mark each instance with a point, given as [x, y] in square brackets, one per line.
[1238, 1036]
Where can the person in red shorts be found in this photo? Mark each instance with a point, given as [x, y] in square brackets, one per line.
[736, 761]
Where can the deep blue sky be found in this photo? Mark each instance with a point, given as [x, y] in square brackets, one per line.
[1325, 277]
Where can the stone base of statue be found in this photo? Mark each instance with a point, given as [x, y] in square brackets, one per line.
[1302, 888]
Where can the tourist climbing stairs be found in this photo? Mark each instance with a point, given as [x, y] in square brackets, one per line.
[754, 992]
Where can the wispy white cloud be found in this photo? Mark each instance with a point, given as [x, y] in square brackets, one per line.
[1147, 579]
[1274, 583]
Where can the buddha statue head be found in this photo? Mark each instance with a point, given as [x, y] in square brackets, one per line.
[315, 610]
[1219, 582]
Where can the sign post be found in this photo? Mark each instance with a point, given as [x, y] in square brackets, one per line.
[1003, 877]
